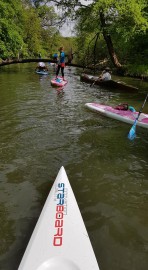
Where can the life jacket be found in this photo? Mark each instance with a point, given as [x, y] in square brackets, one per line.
[61, 60]
[62, 57]
[122, 106]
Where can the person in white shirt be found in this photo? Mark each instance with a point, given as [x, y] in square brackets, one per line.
[41, 64]
[105, 76]
[41, 67]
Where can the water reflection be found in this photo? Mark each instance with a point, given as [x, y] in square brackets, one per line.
[7, 230]
[43, 128]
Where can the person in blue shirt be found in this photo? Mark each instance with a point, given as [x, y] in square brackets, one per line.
[55, 56]
[61, 62]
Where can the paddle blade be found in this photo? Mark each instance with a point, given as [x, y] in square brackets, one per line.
[92, 84]
[132, 132]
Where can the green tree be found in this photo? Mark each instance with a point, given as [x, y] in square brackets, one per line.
[49, 32]
[11, 39]
[32, 32]
[125, 18]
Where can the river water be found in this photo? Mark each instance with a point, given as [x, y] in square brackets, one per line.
[42, 129]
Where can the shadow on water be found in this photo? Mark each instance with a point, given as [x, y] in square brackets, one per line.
[43, 128]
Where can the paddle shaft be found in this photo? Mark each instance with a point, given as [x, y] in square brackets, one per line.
[132, 132]
[93, 83]
[142, 107]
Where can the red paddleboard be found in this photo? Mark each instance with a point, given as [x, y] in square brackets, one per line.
[58, 82]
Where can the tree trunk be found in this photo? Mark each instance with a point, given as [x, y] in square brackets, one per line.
[97, 36]
[109, 43]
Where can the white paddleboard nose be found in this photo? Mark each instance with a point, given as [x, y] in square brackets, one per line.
[60, 240]
[58, 263]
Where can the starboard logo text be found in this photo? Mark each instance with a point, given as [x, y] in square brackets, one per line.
[59, 217]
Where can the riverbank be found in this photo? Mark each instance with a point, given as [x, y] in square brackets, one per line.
[133, 71]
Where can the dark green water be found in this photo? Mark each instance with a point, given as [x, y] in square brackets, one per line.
[42, 129]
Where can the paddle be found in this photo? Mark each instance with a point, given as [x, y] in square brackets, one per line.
[98, 79]
[132, 132]
[92, 84]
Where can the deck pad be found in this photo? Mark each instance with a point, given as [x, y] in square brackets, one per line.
[58, 82]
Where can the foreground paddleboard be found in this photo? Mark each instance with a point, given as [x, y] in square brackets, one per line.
[60, 240]
[121, 115]
[58, 82]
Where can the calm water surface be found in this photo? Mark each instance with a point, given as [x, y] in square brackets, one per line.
[42, 129]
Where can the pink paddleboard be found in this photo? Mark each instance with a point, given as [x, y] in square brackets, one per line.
[121, 115]
[58, 82]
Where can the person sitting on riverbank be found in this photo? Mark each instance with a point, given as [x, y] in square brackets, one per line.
[105, 76]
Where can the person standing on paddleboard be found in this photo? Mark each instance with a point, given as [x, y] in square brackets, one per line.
[61, 63]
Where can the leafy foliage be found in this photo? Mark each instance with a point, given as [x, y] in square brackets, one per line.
[26, 28]
[126, 23]
[10, 28]
[103, 28]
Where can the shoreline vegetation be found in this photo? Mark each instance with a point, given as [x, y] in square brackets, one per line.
[139, 72]
[117, 36]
